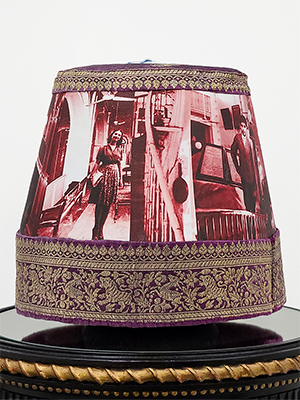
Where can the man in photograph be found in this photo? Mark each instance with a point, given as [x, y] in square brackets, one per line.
[242, 151]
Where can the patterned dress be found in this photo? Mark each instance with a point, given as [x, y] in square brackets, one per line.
[106, 191]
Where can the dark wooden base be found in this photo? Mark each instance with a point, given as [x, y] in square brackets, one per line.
[276, 387]
[167, 352]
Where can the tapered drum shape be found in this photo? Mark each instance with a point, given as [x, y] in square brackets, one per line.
[148, 226]
[149, 203]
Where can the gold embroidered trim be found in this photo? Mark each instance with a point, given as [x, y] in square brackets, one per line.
[148, 285]
[243, 251]
[151, 79]
[143, 375]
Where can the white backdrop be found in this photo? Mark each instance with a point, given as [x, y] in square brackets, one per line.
[258, 37]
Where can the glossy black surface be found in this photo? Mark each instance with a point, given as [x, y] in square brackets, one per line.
[261, 338]
[273, 337]
[285, 322]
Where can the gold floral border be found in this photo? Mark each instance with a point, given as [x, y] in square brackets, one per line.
[149, 284]
[212, 254]
[148, 374]
[165, 77]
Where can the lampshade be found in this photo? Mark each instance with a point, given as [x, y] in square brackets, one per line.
[149, 203]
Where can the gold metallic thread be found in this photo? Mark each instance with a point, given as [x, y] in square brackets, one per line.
[155, 284]
[151, 79]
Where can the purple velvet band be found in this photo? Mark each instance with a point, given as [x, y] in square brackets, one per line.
[154, 66]
[145, 77]
[148, 284]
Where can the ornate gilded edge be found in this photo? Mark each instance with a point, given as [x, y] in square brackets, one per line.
[144, 393]
[162, 78]
[143, 375]
[147, 284]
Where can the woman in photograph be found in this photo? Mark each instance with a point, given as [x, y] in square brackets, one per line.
[108, 171]
[242, 150]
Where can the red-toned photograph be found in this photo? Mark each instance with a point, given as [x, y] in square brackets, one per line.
[157, 166]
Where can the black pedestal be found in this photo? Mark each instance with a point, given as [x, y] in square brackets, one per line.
[257, 358]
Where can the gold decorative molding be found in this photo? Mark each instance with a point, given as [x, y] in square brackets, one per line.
[143, 375]
[147, 393]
